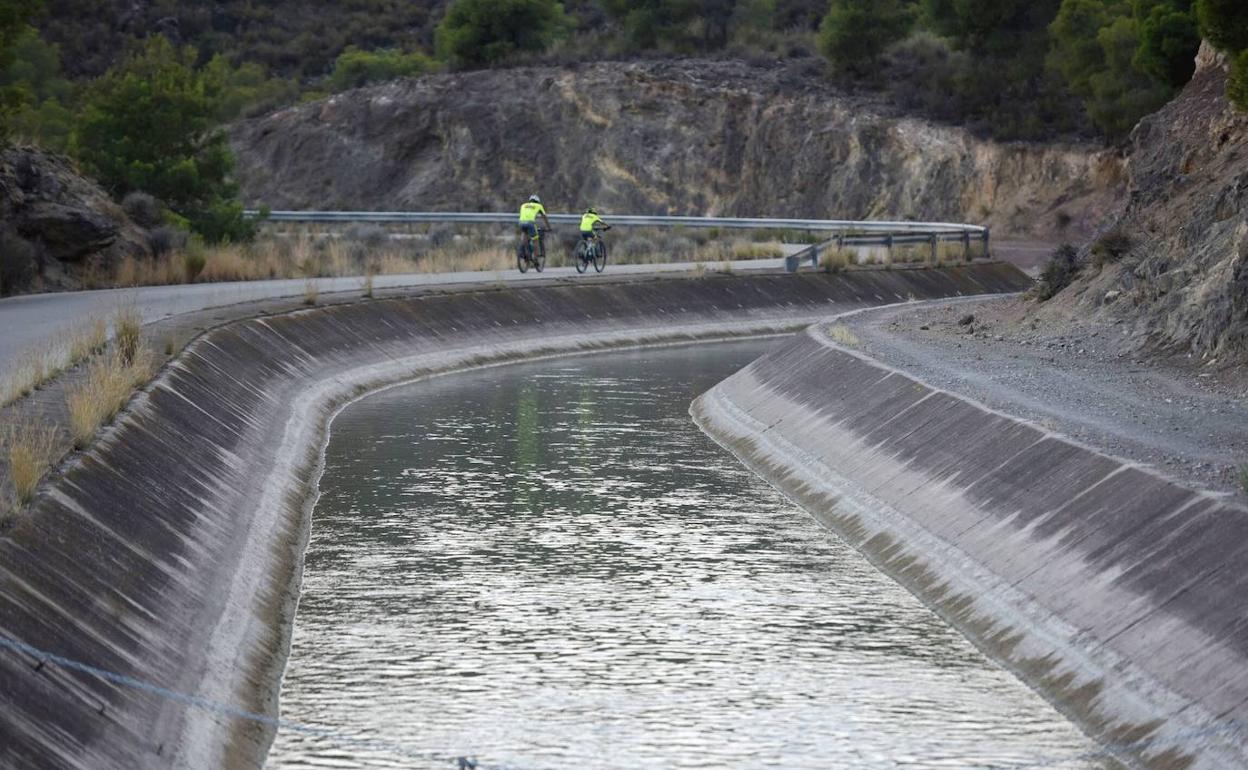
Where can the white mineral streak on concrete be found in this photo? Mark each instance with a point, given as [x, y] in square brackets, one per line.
[914, 525]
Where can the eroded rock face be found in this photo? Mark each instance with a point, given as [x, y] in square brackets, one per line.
[53, 219]
[685, 137]
[1184, 283]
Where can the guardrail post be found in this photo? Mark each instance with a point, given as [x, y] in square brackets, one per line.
[987, 250]
[966, 245]
[935, 241]
[888, 244]
[814, 255]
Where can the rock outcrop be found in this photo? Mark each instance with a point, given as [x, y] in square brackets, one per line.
[54, 222]
[1178, 277]
[679, 137]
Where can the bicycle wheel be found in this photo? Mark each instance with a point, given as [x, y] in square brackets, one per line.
[578, 257]
[600, 256]
[522, 260]
[539, 259]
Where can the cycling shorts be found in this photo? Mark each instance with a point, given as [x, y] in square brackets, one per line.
[530, 228]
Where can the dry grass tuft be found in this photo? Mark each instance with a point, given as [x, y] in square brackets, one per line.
[31, 450]
[109, 384]
[835, 260]
[367, 286]
[841, 334]
[33, 368]
[763, 250]
[87, 339]
[310, 292]
[699, 270]
[128, 333]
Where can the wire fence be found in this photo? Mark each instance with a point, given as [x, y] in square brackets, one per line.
[1120, 752]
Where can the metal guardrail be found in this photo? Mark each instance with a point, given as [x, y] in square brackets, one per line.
[844, 233]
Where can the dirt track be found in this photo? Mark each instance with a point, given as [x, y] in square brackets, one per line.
[1188, 421]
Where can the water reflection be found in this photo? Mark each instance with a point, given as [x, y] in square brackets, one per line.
[548, 566]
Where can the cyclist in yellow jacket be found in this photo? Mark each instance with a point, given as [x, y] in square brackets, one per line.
[591, 223]
[530, 210]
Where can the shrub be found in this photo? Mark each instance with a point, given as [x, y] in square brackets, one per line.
[193, 263]
[921, 73]
[166, 240]
[355, 68]
[143, 209]
[1058, 272]
[854, 33]
[31, 452]
[1110, 247]
[477, 33]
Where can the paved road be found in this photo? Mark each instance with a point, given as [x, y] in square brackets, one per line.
[37, 319]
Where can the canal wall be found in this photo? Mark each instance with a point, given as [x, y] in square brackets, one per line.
[1117, 593]
[168, 555]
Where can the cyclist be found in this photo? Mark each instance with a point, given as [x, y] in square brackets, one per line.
[530, 210]
[591, 223]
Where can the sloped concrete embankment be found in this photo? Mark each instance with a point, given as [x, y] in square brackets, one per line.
[171, 551]
[1118, 594]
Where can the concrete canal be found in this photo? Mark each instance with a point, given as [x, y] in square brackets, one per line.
[547, 565]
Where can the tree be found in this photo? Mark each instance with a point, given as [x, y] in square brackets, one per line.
[13, 17]
[1123, 59]
[1169, 40]
[148, 125]
[46, 114]
[1224, 23]
[478, 33]
[854, 33]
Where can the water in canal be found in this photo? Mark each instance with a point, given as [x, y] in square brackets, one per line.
[548, 566]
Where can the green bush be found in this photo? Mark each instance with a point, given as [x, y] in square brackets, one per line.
[355, 68]
[854, 33]
[1224, 23]
[478, 33]
[149, 125]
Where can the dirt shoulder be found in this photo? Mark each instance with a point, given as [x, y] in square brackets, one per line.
[1080, 379]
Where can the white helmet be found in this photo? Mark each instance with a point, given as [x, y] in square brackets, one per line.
[534, 199]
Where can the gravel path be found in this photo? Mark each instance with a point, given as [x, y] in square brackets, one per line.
[1188, 421]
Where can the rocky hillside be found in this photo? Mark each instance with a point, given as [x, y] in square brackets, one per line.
[1174, 267]
[55, 224]
[683, 137]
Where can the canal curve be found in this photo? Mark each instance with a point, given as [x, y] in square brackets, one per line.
[547, 565]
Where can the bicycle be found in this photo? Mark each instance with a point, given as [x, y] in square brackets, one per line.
[526, 257]
[593, 250]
